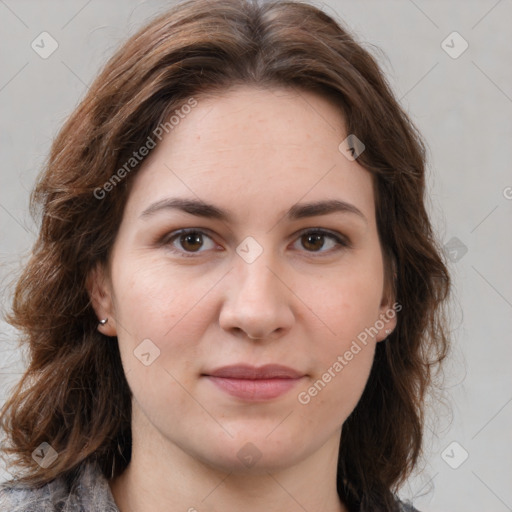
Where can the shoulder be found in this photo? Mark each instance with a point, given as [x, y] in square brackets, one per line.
[89, 492]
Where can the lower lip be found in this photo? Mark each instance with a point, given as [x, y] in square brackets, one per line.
[255, 390]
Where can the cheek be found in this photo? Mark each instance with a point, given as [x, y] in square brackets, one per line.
[147, 307]
[157, 311]
[340, 367]
[154, 300]
[344, 305]
[343, 310]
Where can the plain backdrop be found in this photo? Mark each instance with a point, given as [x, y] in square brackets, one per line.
[461, 100]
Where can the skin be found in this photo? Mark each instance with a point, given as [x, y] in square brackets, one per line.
[255, 153]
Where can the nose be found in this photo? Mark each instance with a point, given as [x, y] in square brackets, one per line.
[258, 300]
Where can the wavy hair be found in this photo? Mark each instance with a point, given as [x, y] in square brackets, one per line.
[74, 394]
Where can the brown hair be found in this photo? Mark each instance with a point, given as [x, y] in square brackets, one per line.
[74, 394]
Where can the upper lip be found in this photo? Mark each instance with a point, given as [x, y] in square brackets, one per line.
[245, 371]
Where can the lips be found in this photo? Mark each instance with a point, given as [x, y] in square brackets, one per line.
[269, 371]
[252, 383]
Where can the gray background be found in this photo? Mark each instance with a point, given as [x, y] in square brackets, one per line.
[462, 105]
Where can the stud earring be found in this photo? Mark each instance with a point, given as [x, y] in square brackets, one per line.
[104, 321]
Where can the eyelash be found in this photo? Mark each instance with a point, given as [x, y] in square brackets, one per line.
[168, 239]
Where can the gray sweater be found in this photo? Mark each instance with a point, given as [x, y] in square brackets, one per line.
[91, 494]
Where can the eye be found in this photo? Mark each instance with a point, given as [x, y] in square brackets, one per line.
[314, 240]
[189, 242]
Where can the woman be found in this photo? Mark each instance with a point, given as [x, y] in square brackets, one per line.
[236, 296]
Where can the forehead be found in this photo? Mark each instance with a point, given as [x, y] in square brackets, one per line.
[250, 147]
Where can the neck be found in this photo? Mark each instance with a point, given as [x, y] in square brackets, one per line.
[161, 477]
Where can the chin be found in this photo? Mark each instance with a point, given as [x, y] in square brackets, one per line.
[253, 454]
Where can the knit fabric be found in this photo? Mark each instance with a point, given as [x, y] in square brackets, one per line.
[90, 493]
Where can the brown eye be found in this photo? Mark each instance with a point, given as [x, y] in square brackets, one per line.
[314, 240]
[191, 241]
[188, 242]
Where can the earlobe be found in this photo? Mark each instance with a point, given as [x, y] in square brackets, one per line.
[99, 290]
[387, 320]
[387, 316]
[389, 307]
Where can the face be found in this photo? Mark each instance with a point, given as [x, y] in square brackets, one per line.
[262, 278]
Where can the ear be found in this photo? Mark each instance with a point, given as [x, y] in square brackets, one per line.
[389, 308]
[100, 292]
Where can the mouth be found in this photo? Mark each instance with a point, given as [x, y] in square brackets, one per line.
[255, 384]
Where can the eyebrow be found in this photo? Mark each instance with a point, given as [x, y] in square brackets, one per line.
[296, 212]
